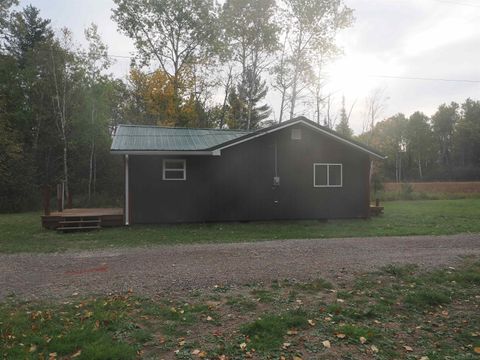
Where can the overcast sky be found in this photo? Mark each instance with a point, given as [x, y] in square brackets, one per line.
[399, 38]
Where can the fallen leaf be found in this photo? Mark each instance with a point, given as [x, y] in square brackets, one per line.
[424, 358]
[292, 332]
[209, 318]
[202, 354]
[196, 352]
[33, 348]
[340, 336]
[222, 357]
[77, 354]
[286, 345]
[340, 300]
[328, 318]
[181, 343]
[363, 340]
[296, 357]
[311, 322]
[374, 348]
[476, 349]
[243, 346]
[326, 344]
[52, 356]
[407, 348]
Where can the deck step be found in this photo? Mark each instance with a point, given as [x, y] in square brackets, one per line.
[73, 222]
[78, 228]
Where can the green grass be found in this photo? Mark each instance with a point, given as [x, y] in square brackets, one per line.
[23, 233]
[432, 313]
[267, 333]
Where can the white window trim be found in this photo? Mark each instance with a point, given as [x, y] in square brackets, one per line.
[328, 175]
[165, 170]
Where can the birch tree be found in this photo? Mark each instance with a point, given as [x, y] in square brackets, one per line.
[314, 24]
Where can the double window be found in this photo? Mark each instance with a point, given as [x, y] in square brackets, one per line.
[327, 175]
[174, 169]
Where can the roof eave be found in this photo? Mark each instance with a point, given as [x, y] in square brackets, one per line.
[266, 131]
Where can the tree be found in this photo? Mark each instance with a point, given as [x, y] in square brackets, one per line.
[343, 128]
[467, 134]
[314, 24]
[95, 61]
[419, 141]
[444, 122]
[390, 139]
[176, 33]
[251, 33]
[26, 32]
[375, 104]
[252, 90]
[5, 8]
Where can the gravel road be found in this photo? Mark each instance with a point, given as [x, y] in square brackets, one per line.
[154, 270]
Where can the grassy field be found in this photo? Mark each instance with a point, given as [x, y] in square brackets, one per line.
[429, 191]
[394, 313]
[23, 233]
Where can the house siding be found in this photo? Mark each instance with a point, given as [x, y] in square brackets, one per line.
[238, 185]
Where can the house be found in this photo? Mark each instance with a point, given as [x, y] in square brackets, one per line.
[294, 170]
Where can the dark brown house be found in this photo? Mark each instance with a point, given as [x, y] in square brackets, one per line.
[293, 170]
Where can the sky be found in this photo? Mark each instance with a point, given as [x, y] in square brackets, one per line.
[390, 39]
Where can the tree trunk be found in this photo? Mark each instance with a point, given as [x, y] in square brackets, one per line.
[282, 105]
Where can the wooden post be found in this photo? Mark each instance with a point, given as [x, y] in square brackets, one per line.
[377, 202]
[59, 197]
[69, 200]
[46, 200]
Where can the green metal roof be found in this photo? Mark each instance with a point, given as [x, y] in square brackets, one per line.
[157, 138]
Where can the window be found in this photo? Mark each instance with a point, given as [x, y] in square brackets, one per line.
[327, 175]
[174, 169]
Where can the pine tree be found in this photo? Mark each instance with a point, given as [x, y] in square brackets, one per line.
[343, 128]
[244, 103]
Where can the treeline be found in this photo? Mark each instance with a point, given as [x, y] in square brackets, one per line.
[445, 146]
[56, 111]
[197, 64]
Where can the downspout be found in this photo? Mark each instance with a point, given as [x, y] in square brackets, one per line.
[127, 193]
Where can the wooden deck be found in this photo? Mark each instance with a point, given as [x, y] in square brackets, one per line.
[106, 217]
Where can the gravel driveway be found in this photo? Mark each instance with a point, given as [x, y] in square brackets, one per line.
[153, 270]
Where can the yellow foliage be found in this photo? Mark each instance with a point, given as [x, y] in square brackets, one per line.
[169, 107]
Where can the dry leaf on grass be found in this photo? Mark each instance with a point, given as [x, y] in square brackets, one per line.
[374, 348]
[77, 354]
[408, 348]
[363, 340]
[340, 336]
[243, 346]
[311, 322]
[326, 344]
[476, 350]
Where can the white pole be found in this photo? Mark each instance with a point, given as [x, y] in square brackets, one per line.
[127, 214]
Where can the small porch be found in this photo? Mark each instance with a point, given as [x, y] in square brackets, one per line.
[83, 219]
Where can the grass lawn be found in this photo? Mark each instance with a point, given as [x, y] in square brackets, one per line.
[23, 232]
[393, 313]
